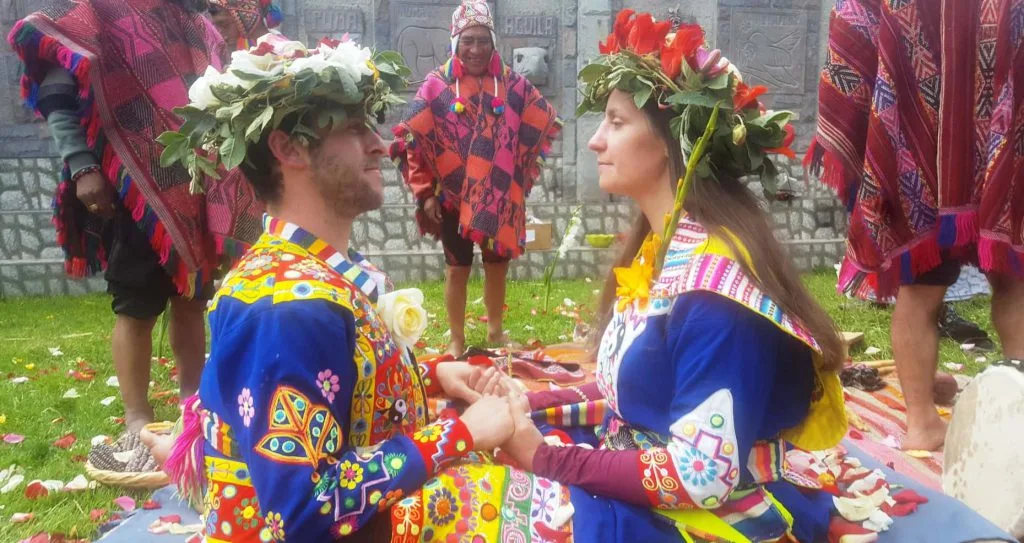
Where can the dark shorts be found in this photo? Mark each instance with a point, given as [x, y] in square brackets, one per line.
[458, 251]
[943, 275]
[138, 283]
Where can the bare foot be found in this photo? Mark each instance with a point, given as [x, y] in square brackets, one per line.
[927, 436]
[159, 445]
[457, 348]
[499, 338]
[134, 421]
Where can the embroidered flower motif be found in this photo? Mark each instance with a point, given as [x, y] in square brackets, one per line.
[390, 499]
[247, 514]
[429, 434]
[328, 384]
[696, 468]
[275, 526]
[246, 410]
[349, 475]
[393, 463]
[634, 282]
[344, 528]
[442, 507]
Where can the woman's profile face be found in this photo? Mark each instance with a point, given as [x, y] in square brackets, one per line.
[631, 157]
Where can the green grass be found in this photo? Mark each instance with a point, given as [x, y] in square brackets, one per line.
[81, 327]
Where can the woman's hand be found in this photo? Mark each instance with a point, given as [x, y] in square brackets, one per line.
[526, 438]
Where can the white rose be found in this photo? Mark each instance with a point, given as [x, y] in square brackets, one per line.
[349, 57]
[288, 48]
[313, 62]
[259, 65]
[200, 93]
[402, 312]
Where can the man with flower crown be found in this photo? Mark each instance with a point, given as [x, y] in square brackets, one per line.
[311, 417]
[470, 149]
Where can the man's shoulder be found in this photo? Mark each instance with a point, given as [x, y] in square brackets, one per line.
[275, 272]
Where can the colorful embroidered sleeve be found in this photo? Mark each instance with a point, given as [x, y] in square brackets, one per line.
[726, 360]
[295, 400]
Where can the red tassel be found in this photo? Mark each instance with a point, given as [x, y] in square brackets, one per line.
[457, 68]
[494, 68]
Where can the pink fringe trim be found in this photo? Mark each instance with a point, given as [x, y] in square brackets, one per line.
[185, 465]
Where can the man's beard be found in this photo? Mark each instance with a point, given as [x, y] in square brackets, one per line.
[342, 187]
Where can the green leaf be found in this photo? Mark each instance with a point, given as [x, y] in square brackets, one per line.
[693, 98]
[207, 166]
[232, 152]
[641, 96]
[720, 82]
[593, 72]
[770, 177]
[175, 147]
[256, 127]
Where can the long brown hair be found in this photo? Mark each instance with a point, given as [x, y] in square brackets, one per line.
[721, 206]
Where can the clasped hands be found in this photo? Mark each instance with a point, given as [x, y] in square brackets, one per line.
[499, 412]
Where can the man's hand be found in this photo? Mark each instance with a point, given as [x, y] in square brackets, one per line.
[492, 381]
[455, 379]
[489, 421]
[526, 438]
[95, 194]
[432, 208]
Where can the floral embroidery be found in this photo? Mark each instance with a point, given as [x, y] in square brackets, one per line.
[441, 508]
[428, 434]
[350, 475]
[275, 526]
[390, 499]
[344, 528]
[659, 479]
[394, 462]
[696, 468]
[247, 514]
[328, 383]
[246, 410]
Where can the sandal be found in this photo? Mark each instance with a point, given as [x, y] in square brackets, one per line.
[961, 330]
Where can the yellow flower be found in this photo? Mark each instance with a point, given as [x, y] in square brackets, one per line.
[3, 418]
[635, 281]
[30, 367]
[350, 475]
[376, 72]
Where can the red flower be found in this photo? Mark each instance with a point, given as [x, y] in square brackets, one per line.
[786, 142]
[683, 45]
[623, 25]
[610, 46]
[646, 36]
[746, 96]
[331, 42]
[264, 49]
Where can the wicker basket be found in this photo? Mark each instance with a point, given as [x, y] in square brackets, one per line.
[149, 480]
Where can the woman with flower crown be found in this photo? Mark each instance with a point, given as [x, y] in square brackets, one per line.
[715, 360]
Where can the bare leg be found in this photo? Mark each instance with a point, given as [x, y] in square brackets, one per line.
[132, 350]
[456, 283]
[1008, 314]
[188, 341]
[495, 276]
[915, 345]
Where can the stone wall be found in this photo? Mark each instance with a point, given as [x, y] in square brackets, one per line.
[775, 42]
